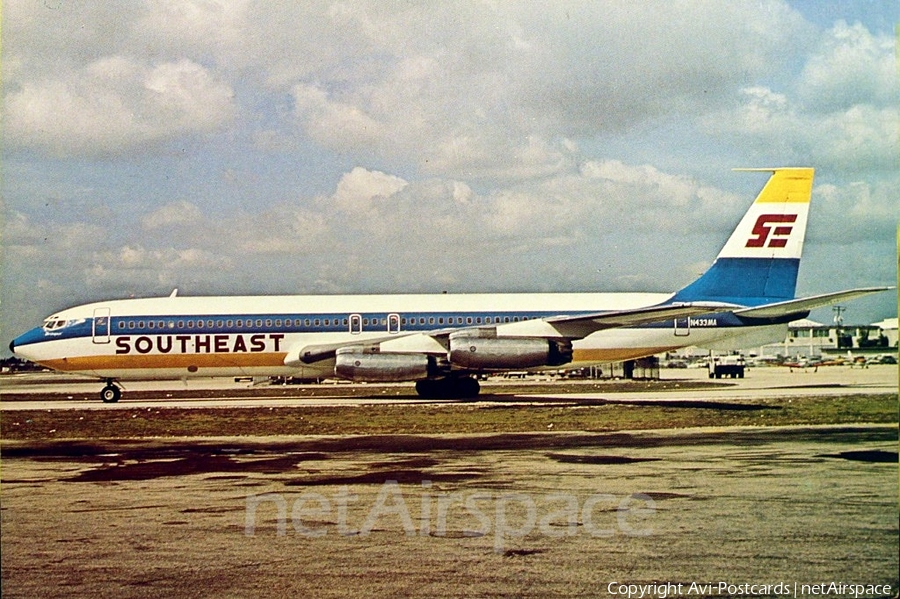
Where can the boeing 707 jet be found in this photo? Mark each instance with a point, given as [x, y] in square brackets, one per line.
[443, 342]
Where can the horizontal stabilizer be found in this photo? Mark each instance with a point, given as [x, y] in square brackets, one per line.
[805, 304]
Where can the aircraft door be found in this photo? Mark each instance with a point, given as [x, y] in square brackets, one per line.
[101, 325]
[355, 324]
[393, 324]
[682, 327]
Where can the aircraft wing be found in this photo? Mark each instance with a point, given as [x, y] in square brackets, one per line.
[805, 304]
[569, 327]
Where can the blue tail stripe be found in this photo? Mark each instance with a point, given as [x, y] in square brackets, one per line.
[745, 281]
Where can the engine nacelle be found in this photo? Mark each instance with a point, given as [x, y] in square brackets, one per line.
[480, 352]
[356, 364]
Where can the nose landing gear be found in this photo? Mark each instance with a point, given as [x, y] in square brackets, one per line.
[110, 393]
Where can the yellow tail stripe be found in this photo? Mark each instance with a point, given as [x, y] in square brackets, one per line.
[793, 185]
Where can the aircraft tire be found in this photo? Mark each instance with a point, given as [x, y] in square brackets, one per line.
[426, 389]
[467, 387]
[110, 394]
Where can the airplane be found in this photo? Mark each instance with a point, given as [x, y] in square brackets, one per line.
[443, 342]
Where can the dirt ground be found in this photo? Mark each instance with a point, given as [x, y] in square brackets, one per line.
[516, 515]
[784, 477]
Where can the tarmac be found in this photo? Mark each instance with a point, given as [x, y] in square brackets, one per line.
[739, 511]
[40, 391]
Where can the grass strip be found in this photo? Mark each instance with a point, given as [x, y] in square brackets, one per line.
[461, 418]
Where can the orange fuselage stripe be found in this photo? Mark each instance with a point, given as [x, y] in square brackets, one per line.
[193, 362]
[157, 361]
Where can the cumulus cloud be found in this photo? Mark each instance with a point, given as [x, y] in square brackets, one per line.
[852, 66]
[360, 187]
[606, 216]
[333, 123]
[497, 91]
[116, 103]
[177, 214]
[859, 136]
[842, 114]
[138, 258]
[855, 211]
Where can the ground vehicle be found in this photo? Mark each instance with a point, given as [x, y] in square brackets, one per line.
[732, 366]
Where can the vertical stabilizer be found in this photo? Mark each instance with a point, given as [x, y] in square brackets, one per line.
[760, 261]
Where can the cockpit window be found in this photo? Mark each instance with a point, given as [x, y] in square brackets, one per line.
[55, 322]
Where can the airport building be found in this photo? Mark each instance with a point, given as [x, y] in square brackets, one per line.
[811, 339]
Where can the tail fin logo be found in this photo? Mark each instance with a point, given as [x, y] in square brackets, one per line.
[777, 237]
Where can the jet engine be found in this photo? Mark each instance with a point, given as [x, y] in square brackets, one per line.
[358, 364]
[486, 351]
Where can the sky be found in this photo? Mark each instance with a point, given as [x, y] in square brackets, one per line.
[241, 147]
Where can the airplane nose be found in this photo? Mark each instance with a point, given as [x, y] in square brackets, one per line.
[12, 346]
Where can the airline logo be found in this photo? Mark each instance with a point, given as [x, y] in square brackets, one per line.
[199, 344]
[766, 235]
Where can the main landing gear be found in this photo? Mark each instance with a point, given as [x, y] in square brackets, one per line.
[111, 393]
[464, 387]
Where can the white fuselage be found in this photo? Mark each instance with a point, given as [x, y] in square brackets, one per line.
[179, 337]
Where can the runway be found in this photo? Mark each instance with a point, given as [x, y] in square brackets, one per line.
[534, 513]
[62, 392]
